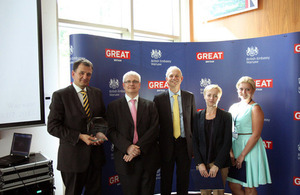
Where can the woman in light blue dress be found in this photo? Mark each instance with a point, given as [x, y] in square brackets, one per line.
[247, 144]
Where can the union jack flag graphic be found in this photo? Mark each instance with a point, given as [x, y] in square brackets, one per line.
[250, 3]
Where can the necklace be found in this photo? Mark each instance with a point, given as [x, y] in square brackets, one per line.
[250, 101]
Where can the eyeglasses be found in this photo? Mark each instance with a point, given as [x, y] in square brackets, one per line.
[133, 82]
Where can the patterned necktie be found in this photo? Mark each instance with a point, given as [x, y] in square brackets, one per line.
[176, 118]
[133, 114]
[86, 104]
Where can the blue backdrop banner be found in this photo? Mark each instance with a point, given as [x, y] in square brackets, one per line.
[273, 62]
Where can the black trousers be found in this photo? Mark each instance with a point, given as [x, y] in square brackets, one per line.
[183, 164]
[140, 182]
[90, 180]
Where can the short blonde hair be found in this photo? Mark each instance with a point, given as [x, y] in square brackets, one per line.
[246, 79]
[213, 86]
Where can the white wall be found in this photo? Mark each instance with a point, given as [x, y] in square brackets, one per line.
[41, 140]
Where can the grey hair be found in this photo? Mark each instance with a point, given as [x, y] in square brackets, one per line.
[132, 73]
[172, 68]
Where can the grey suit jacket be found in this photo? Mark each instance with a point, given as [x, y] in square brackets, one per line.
[166, 138]
[67, 120]
[121, 129]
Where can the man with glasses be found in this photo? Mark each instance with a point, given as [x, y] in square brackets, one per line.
[133, 130]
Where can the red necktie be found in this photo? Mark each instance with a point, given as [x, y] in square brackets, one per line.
[133, 114]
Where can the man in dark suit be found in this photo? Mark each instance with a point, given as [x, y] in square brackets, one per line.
[133, 130]
[175, 146]
[80, 155]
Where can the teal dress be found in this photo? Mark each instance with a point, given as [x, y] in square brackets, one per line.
[257, 168]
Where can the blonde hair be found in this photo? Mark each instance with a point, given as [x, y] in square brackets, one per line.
[246, 79]
[213, 86]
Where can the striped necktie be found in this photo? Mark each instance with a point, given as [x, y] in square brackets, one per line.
[176, 118]
[86, 104]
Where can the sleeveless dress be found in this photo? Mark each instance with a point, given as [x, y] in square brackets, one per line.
[257, 167]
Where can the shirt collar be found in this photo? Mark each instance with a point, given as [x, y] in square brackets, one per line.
[129, 98]
[78, 89]
[171, 93]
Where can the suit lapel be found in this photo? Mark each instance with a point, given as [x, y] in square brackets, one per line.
[140, 110]
[202, 126]
[167, 110]
[125, 110]
[90, 94]
[202, 122]
[216, 123]
[168, 105]
[183, 103]
[74, 95]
